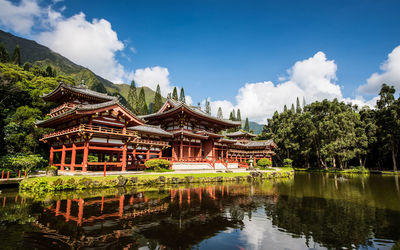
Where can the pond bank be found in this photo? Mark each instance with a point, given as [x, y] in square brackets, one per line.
[348, 171]
[58, 183]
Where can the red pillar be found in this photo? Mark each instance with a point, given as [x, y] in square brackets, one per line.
[213, 152]
[121, 205]
[58, 204]
[68, 210]
[181, 150]
[173, 152]
[73, 157]
[148, 153]
[189, 150]
[199, 154]
[51, 156]
[80, 212]
[85, 156]
[62, 157]
[124, 158]
[160, 153]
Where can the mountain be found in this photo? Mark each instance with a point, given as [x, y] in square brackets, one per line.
[42, 56]
[257, 128]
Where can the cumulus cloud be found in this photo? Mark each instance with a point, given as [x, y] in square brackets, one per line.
[313, 79]
[150, 77]
[19, 17]
[92, 44]
[390, 74]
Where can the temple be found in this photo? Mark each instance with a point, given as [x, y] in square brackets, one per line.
[93, 131]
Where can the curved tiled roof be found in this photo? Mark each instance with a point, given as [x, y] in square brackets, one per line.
[177, 105]
[151, 130]
[81, 89]
[241, 133]
[256, 144]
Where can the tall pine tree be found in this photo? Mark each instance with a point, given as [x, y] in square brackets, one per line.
[157, 99]
[175, 94]
[247, 125]
[219, 113]
[4, 56]
[238, 116]
[142, 105]
[182, 96]
[208, 107]
[233, 115]
[298, 107]
[16, 57]
[133, 100]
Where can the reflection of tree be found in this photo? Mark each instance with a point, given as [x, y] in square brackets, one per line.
[332, 223]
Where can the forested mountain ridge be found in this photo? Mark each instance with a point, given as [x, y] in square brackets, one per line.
[40, 55]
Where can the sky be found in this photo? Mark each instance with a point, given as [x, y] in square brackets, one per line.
[253, 55]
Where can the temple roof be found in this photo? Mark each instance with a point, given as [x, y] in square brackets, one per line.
[241, 133]
[256, 144]
[84, 109]
[156, 130]
[176, 106]
[80, 90]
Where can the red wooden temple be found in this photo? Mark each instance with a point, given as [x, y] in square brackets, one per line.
[93, 130]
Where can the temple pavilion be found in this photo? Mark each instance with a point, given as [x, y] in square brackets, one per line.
[93, 131]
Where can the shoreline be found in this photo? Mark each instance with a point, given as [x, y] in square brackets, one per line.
[61, 183]
[347, 171]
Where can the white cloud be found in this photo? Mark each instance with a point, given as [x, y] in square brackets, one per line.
[19, 17]
[313, 78]
[92, 44]
[188, 100]
[150, 77]
[390, 74]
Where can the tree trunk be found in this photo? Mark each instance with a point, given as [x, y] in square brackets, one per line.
[394, 155]
[361, 163]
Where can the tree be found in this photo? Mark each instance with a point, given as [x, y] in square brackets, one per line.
[219, 113]
[157, 99]
[133, 100]
[389, 120]
[247, 125]
[238, 116]
[208, 107]
[4, 56]
[175, 94]
[298, 107]
[16, 56]
[98, 86]
[182, 96]
[142, 105]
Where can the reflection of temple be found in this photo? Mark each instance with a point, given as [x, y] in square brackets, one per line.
[179, 218]
[94, 131]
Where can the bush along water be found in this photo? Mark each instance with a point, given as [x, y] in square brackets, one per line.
[46, 184]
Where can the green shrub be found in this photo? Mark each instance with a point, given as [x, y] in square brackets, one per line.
[23, 162]
[287, 163]
[49, 168]
[264, 162]
[157, 164]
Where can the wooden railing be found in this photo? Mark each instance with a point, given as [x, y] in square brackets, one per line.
[151, 142]
[90, 128]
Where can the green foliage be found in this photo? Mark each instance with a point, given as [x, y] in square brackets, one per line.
[182, 96]
[246, 125]
[219, 113]
[133, 100]
[157, 99]
[238, 116]
[157, 164]
[142, 108]
[16, 56]
[175, 94]
[4, 56]
[22, 162]
[264, 162]
[287, 163]
[208, 107]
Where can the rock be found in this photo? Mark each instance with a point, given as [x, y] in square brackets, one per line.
[238, 178]
[228, 171]
[189, 179]
[52, 172]
[249, 178]
[175, 180]
[133, 180]
[161, 179]
[121, 180]
[220, 179]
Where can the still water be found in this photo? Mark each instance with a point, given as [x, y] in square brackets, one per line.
[307, 211]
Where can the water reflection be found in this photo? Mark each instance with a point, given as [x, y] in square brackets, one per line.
[309, 211]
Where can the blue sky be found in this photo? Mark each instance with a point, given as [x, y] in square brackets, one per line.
[213, 48]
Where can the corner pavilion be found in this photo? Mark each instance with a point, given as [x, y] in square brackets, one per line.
[93, 131]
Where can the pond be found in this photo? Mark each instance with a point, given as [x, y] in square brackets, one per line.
[306, 211]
